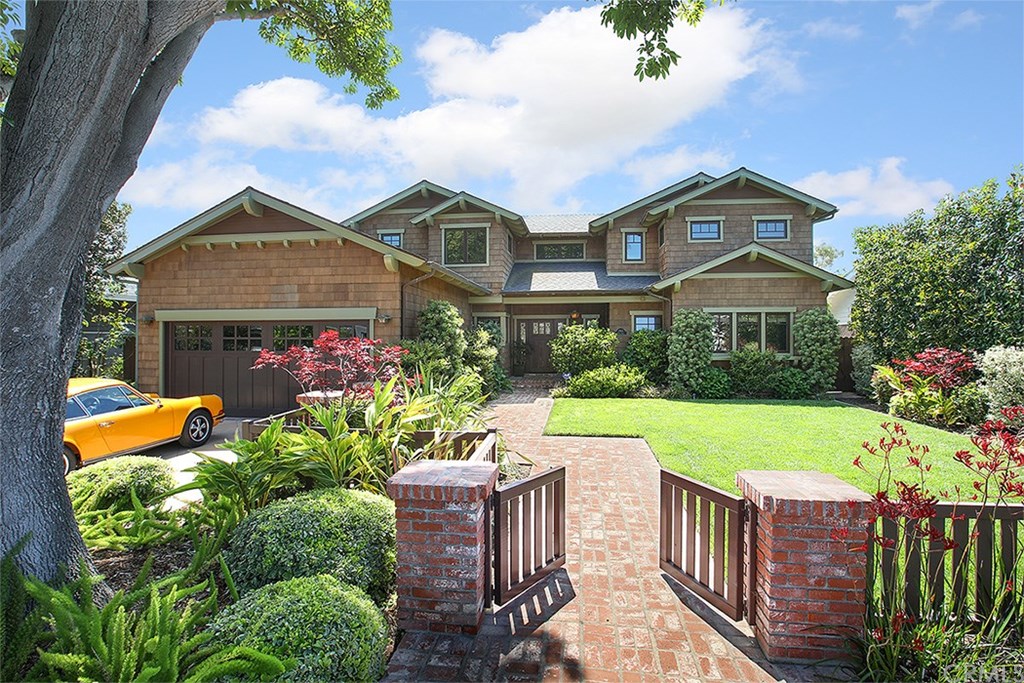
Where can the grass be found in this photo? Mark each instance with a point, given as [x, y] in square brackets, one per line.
[712, 440]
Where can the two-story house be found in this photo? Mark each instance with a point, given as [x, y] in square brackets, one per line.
[256, 272]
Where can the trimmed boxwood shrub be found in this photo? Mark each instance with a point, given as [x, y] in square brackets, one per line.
[107, 485]
[689, 349]
[349, 534]
[648, 351]
[791, 384]
[816, 342]
[616, 381]
[579, 348]
[441, 324]
[715, 384]
[331, 630]
[752, 371]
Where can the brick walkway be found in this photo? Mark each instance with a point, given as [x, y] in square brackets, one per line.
[610, 614]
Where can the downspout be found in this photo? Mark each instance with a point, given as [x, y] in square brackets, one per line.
[401, 313]
[650, 291]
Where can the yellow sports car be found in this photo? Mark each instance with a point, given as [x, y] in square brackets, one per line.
[107, 417]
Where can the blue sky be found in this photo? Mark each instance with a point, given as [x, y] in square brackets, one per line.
[880, 108]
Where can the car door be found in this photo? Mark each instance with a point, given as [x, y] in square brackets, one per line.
[128, 421]
[81, 431]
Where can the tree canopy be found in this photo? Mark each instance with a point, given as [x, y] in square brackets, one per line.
[955, 279]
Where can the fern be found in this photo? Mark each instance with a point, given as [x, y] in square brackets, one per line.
[21, 625]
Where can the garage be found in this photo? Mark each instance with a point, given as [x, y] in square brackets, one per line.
[216, 357]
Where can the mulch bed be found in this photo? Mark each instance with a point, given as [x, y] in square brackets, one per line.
[121, 567]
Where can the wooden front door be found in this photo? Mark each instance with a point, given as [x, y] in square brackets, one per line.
[537, 333]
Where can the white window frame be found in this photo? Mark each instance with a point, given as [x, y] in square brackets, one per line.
[538, 243]
[760, 310]
[633, 315]
[393, 231]
[502, 323]
[705, 219]
[466, 226]
[788, 218]
[643, 245]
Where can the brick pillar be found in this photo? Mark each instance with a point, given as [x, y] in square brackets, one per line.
[441, 511]
[810, 589]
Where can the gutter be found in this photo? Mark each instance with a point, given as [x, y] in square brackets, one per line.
[650, 291]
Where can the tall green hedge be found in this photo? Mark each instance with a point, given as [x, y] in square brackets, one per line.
[689, 349]
[816, 343]
[578, 348]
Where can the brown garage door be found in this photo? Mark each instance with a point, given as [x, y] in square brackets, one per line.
[217, 357]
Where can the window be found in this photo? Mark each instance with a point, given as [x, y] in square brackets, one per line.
[243, 337]
[748, 329]
[768, 330]
[348, 328]
[465, 246]
[511, 243]
[392, 239]
[106, 400]
[771, 228]
[496, 323]
[135, 399]
[633, 247]
[705, 230]
[646, 322]
[287, 336]
[559, 251]
[721, 330]
[75, 410]
[193, 338]
[661, 235]
[776, 332]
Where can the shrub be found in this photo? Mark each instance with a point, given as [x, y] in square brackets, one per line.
[440, 323]
[482, 351]
[689, 348]
[863, 358]
[969, 405]
[752, 371]
[1002, 382]
[715, 384]
[422, 357]
[648, 351]
[947, 369]
[107, 485]
[578, 348]
[331, 630]
[816, 342]
[791, 384]
[881, 389]
[616, 381]
[349, 534]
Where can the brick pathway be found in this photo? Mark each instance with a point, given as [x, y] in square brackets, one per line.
[610, 614]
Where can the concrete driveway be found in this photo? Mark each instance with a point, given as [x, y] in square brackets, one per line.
[182, 458]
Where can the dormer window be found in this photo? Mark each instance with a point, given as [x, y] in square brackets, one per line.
[559, 251]
[705, 228]
[392, 238]
[771, 227]
[633, 246]
[465, 245]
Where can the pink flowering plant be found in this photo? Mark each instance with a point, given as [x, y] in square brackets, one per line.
[935, 386]
[965, 618]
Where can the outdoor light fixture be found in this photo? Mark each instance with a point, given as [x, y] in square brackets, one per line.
[383, 318]
[574, 316]
[147, 319]
[621, 332]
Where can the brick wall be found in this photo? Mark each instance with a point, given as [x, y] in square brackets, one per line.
[440, 508]
[810, 590]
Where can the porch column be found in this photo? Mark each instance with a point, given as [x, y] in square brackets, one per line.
[810, 590]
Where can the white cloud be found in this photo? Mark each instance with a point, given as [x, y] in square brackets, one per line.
[658, 170]
[541, 109]
[966, 19]
[832, 30]
[918, 13]
[883, 191]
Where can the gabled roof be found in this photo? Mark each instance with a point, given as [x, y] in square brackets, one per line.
[252, 202]
[560, 224]
[422, 187]
[756, 250]
[741, 174]
[581, 276]
[696, 179]
[462, 199]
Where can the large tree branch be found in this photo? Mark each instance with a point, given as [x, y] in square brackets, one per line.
[155, 86]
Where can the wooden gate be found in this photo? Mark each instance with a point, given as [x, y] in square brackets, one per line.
[702, 541]
[529, 532]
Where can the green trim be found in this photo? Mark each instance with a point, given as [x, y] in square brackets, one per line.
[398, 198]
[463, 198]
[671, 189]
[258, 314]
[761, 251]
[250, 237]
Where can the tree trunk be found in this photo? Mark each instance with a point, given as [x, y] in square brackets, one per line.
[91, 82]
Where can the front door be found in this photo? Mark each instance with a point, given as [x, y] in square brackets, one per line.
[537, 333]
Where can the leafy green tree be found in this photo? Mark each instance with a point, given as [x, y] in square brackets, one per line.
[107, 320]
[825, 255]
[90, 81]
[651, 21]
[953, 280]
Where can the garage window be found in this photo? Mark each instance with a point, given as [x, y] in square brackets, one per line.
[287, 336]
[193, 338]
[351, 329]
[243, 337]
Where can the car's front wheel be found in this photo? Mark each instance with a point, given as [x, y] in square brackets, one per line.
[197, 430]
[70, 461]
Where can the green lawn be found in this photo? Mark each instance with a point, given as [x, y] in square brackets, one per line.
[712, 440]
